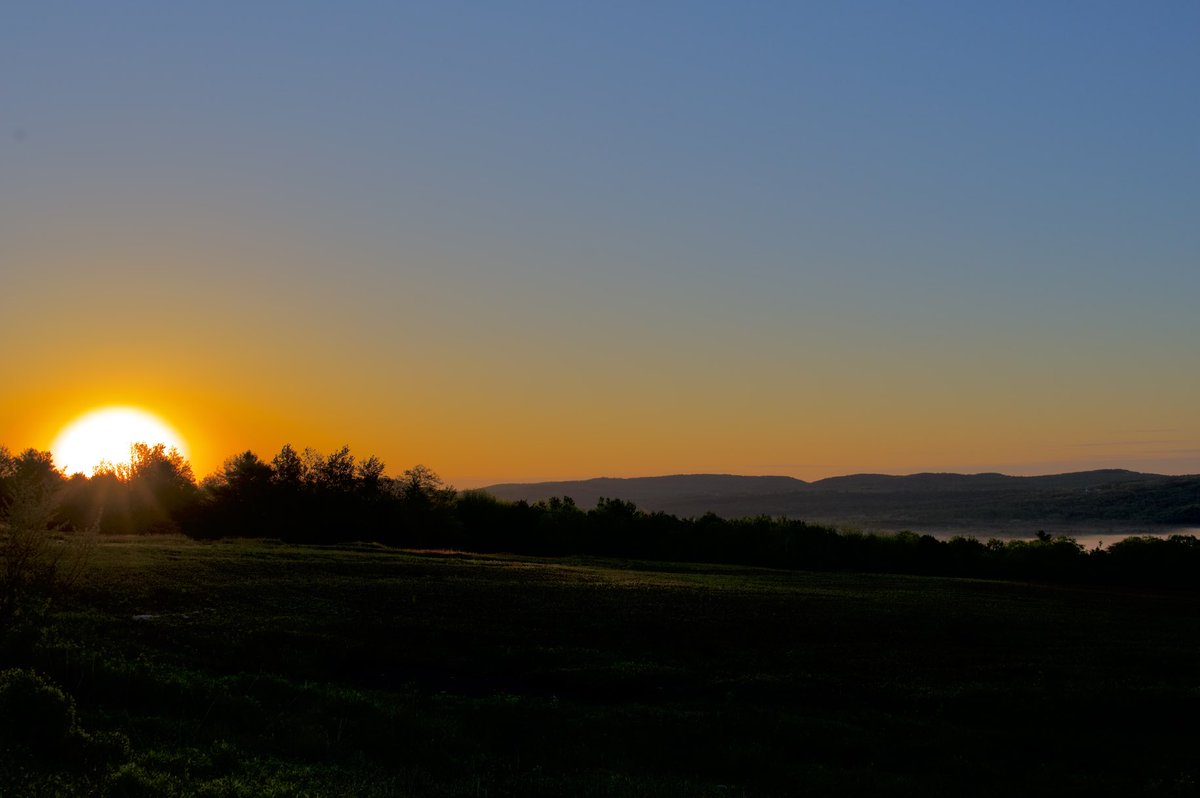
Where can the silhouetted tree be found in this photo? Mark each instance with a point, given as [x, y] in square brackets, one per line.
[336, 472]
[287, 468]
[312, 464]
[31, 470]
[424, 509]
[241, 495]
[245, 475]
[420, 484]
[160, 484]
[370, 475]
[36, 558]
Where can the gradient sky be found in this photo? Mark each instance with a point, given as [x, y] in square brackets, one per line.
[517, 241]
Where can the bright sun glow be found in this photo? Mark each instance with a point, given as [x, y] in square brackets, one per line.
[107, 435]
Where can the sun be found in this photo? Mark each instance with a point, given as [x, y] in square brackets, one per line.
[106, 435]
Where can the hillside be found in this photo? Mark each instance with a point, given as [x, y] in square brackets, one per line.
[257, 669]
[1110, 497]
[654, 492]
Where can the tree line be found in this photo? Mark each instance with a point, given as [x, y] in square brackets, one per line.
[309, 497]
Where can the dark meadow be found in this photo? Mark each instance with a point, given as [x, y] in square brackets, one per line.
[310, 625]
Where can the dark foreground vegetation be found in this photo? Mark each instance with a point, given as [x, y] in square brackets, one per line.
[608, 652]
[312, 498]
[250, 668]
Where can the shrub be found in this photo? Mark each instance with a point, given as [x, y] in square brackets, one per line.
[37, 714]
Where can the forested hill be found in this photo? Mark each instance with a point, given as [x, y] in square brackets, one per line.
[925, 500]
[654, 493]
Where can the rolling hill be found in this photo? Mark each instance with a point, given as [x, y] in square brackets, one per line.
[1114, 498]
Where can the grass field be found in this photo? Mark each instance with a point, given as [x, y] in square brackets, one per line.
[253, 668]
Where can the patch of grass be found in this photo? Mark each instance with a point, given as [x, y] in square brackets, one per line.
[256, 668]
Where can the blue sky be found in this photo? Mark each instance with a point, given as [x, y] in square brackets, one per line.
[865, 236]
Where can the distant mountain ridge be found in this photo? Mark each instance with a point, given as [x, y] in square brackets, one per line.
[932, 500]
[984, 481]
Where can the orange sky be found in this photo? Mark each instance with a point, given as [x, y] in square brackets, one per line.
[807, 241]
[485, 385]
[543, 429]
